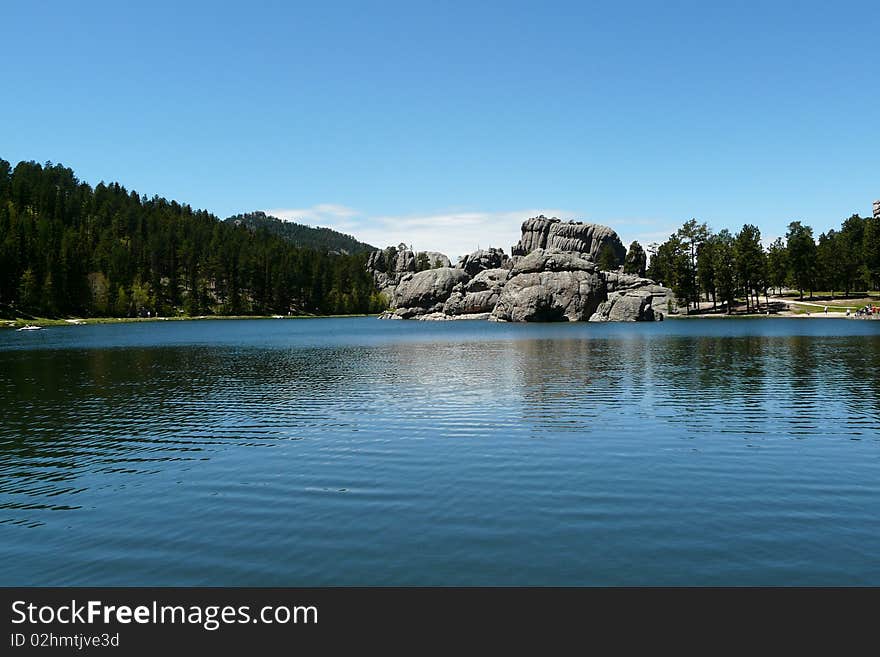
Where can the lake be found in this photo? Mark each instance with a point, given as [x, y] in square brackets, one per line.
[367, 452]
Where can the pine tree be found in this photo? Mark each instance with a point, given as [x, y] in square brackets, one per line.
[749, 261]
[724, 267]
[777, 265]
[607, 258]
[636, 260]
[801, 256]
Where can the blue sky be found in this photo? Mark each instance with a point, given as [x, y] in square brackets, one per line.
[445, 124]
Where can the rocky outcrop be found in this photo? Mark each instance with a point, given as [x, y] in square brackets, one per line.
[534, 235]
[633, 298]
[483, 259]
[479, 295]
[549, 297]
[632, 306]
[426, 291]
[578, 237]
[548, 286]
[390, 265]
[554, 276]
[435, 259]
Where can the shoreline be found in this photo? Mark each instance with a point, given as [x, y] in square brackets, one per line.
[13, 324]
[43, 322]
[787, 315]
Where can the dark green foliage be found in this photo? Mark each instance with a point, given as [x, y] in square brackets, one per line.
[777, 265]
[309, 237]
[723, 264]
[693, 261]
[801, 256]
[829, 269]
[871, 253]
[389, 257]
[750, 263]
[636, 261]
[607, 259]
[844, 257]
[670, 266]
[850, 251]
[67, 248]
[675, 263]
[661, 266]
[706, 268]
[692, 236]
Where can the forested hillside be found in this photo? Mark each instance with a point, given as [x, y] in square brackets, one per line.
[67, 248]
[320, 239]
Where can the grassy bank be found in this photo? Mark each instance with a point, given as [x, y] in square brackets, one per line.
[820, 309]
[18, 322]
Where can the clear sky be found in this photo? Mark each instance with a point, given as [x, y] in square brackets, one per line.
[445, 124]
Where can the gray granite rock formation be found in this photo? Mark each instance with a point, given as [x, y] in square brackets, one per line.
[552, 277]
[578, 237]
[547, 286]
[390, 265]
[426, 291]
[623, 288]
[479, 295]
[483, 259]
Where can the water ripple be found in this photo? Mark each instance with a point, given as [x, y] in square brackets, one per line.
[367, 452]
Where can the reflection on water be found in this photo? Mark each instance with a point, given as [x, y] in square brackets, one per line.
[367, 452]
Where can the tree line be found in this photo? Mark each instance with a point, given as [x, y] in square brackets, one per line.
[702, 265]
[67, 248]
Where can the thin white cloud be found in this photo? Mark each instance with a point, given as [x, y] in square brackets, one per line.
[457, 232]
[454, 233]
[646, 238]
[317, 215]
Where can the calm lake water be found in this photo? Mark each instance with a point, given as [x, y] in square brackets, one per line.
[360, 451]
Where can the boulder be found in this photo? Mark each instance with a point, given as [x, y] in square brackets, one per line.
[468, 303]
[388, 314]
[621, 306]
[462, 303]
[426, 291]
[482, 259]
[477, 296]
[634, 306]
[550, 296]
[488, 279]
[633, 299]
[616, 281]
